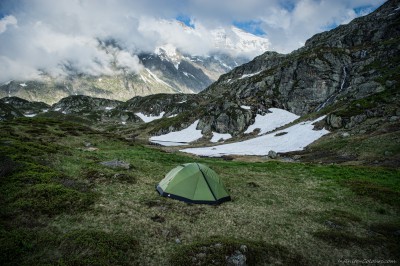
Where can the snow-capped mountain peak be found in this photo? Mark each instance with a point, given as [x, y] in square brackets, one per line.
[168, 52]
[239, 41]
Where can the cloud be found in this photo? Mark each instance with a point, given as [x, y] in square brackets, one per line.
[8, 20]
[57, 37]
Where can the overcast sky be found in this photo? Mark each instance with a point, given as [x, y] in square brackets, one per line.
[43, 35]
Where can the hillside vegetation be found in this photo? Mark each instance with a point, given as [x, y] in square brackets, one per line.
[60, 206]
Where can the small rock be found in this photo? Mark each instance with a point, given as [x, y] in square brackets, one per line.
[91, 149]
[158, 219]
[201, 255]
[272, 154]
[393, 118]
[218, 245]
[237, 259]
[362, 131]
[243, 248]
[178, 241]
[117, 164]
[297, 157]
[334, 121]
[87, 144]
[345, 134]
[388, 153]
[332, 224]
[280, 134]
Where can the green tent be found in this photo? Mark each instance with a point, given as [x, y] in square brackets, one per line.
[194, 183]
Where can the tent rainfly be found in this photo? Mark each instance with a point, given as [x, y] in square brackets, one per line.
[194, 183]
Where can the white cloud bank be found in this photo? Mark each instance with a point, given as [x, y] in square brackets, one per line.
[54, 36]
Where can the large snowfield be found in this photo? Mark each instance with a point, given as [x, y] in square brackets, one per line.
[293, 138]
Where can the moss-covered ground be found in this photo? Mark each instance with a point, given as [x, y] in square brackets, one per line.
[60, 206]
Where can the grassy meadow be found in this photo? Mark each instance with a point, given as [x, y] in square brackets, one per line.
[60, 206]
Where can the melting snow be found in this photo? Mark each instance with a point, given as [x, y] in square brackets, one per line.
[249, 75]
[297, 138]
[217, 136]
[181, 137]
[271, 121]
[23, 85]
[149, 118]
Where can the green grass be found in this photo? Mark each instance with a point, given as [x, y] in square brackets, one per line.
[60, 206]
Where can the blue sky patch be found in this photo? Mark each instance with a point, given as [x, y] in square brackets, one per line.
[288, 5]
[251, 26]
[186, 20]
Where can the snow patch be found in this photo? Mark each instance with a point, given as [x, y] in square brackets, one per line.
[57, 109]
[217, 136]
[249, 75]
[109, 108]
[30, 115]
[296, 138]
[149, 118]
[270, 121]
[245, 107]
[23, 85]
[182, 137]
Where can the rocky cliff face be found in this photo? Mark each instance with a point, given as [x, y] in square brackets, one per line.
[332, 65]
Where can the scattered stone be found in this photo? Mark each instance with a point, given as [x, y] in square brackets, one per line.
[87, 144]
[201, 255]
[345, 134]
[116, 164]
[158, 219]
[91, 149]
[236, 259]
[272, 154]
[297, 157]
[287, 160]
[388, 153]
[362, 131]
[253, 184]
[332, 225]
[280, 134]
[334, 121]
[218, 245]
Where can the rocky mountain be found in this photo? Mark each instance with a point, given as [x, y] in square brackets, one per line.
[334, 69]
[165, 70]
